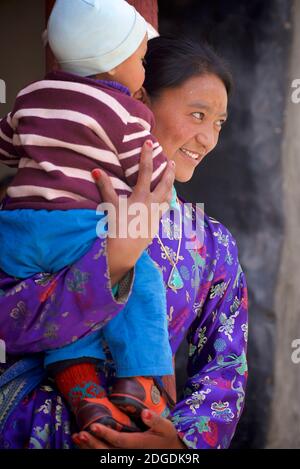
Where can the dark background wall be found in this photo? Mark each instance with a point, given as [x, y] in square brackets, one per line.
[22, 58]
[241, 181]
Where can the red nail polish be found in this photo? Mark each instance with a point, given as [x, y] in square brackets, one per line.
[95, 428]
[96, 173]
[147, 414]
[149, 143]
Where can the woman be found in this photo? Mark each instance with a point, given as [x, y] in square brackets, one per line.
[187, 89]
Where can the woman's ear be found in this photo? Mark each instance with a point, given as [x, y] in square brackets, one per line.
[142, 95]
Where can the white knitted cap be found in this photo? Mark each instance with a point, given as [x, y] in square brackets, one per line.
[94, 36]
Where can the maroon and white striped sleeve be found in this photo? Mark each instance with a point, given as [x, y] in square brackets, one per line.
[8, 153]
[137, 131]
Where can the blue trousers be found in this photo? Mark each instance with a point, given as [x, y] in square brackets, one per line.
[35, 241]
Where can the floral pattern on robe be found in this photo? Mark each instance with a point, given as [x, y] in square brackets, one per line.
[47, 312]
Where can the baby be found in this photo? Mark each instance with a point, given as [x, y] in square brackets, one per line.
[78, 118]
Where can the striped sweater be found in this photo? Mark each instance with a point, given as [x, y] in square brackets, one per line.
[64, 126]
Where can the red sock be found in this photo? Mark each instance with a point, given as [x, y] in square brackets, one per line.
[79, 381]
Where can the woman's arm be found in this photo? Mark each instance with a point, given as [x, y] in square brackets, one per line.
[217, 369]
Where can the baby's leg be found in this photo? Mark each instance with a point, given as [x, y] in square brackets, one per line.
[78, 373]
[139, 342]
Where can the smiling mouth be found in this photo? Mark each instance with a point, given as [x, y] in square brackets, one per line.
[191, 154]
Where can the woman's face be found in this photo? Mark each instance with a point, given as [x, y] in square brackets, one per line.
[189, 119]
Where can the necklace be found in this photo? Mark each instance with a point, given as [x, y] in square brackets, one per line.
[175, 281]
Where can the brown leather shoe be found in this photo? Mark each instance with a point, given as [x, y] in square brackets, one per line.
[92, 410]
[132, 395]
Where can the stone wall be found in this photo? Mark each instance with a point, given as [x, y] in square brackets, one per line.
[284, 430]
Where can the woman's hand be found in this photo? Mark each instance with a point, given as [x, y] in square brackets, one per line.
[161, 434]
[123, 253]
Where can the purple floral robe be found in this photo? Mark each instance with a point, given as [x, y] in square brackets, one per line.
[50, 311]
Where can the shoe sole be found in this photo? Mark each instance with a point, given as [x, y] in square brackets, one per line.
[134, 406]
[110, 422]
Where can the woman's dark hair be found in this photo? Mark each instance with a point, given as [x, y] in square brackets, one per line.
[171, 61]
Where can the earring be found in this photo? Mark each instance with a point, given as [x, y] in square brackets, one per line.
[112, 72]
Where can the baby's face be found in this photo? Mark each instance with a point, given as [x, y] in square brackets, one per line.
[131, 72]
